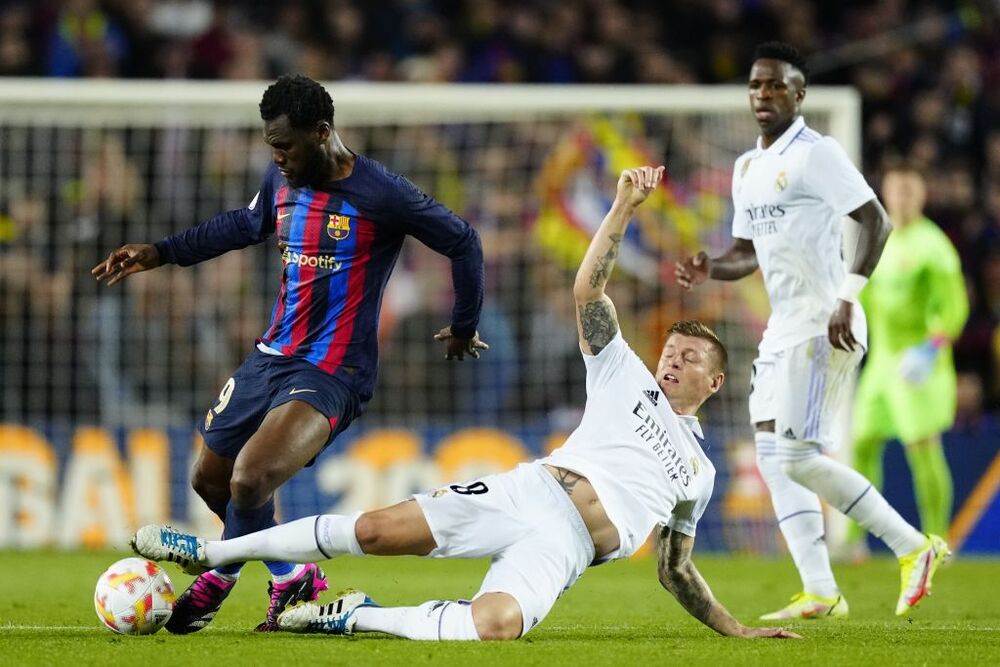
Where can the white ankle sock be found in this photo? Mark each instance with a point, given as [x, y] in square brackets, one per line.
[434, 620]
[302, 541]
[848, 491]
[800, 518]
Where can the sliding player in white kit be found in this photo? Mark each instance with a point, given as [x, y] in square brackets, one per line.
[790, 194]
[633, 466]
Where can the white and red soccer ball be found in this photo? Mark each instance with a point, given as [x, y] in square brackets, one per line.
[134, 597]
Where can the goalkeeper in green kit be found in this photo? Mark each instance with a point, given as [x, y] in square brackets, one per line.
[916, 305]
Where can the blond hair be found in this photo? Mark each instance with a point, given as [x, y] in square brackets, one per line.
[696, 329]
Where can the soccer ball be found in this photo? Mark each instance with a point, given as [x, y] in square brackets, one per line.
[134, 597]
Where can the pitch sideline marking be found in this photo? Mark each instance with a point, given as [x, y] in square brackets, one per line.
[40, 628]
[62, 628]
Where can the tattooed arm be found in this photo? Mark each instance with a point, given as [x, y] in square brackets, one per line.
[679, 576]
[596, 319]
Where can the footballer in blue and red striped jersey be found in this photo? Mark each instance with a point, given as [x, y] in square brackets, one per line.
[338, 245]
[339, 221]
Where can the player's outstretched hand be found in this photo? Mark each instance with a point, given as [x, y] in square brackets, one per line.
[457, 348]
[692, 271]
[634, 185]
[124, 261]
[770, 633]
[839, 328]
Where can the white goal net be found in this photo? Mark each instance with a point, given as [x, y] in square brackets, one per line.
[100, 389]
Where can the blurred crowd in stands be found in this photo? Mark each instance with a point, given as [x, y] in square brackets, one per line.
[928, 73]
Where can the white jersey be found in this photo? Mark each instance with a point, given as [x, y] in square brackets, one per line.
[789, 199]
[640, 456]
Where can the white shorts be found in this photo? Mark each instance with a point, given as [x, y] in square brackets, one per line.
[525, 522]
[803, 389]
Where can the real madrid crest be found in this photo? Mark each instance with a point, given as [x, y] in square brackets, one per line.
[781, 182]
[339, 227]
[694, 465]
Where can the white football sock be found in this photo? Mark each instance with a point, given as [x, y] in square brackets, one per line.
[848, 491]
[302, 541]
[800, 518]
[434, 620]
[335, 534]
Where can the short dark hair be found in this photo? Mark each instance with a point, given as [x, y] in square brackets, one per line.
[784, 52]
[696, 329]
[305, 102]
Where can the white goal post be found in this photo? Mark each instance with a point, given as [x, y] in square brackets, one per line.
[235, 102]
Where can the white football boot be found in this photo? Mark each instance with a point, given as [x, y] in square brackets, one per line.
[808, 606]
[333, 618]
[166, 543]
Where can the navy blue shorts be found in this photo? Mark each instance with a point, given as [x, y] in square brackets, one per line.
[262, 383]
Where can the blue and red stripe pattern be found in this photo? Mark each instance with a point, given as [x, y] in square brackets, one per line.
[326, 251]
[278, 312]
[339, 245]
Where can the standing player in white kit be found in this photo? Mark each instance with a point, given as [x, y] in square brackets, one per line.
[790, 194]
[632, 467]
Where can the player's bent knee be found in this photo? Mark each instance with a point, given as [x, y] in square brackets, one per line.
[249, 489]
[212, 491]
[394, 531]
[798, 471]
[369, 530]
[497, 617]
[202, 486]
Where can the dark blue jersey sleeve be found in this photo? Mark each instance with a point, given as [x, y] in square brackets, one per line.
[227, 231]
[441, 230]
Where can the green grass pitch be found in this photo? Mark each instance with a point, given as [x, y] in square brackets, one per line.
[617, 614]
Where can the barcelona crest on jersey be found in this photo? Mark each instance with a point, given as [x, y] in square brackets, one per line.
[339, 227]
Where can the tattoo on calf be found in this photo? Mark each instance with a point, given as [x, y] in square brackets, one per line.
[598, 324]
[600, 274]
